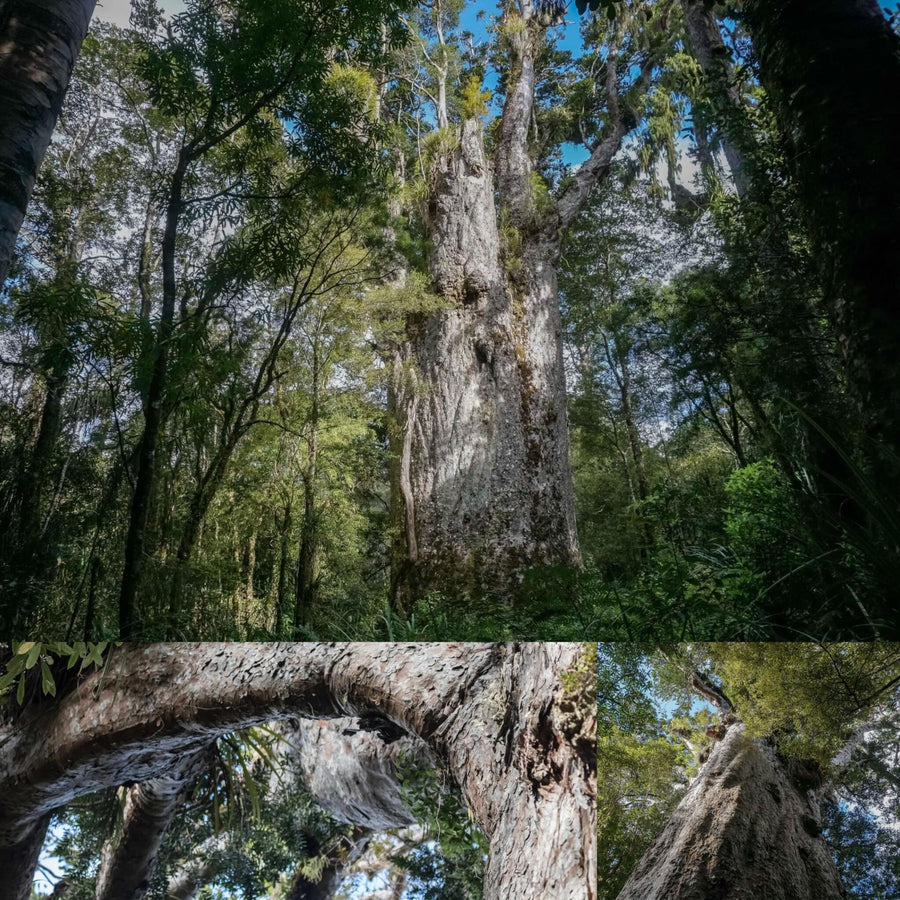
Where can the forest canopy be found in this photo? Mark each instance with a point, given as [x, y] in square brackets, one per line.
[441, 320]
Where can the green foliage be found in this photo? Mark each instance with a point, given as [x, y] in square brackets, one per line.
[41, 657]
[866, 852]
[454, 869]
[636, 796]
[473, 100]
[810, 696]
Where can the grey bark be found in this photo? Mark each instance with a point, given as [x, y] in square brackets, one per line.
[127, 860]
[352, 773]
[489, 493]
[39, 43]
[485, 445]
[709, 50]
[498, 718]
[749, 826]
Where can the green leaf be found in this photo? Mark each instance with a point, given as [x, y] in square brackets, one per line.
[48, 685]
[34, 651]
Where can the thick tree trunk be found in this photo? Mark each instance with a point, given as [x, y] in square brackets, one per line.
[749, 826]
[518, 738]
[485, 443]
[827, 76]
[484, 488]
[283, 527]
[33, 560]
[307, 581]
[39, 43]
[19, 859]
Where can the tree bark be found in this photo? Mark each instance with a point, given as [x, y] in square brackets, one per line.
[749, 826]
[187, 882]
[710, 51]
[490, 484]
[127, 863]
[19, 859]
[826, 76]
[307, 582]
[484, 436]
[351, 772]
[39, 43]
[485, 442]
[501, 720]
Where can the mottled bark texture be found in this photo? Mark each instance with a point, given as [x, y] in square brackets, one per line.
[39, 43]
[749, 826]
[827, 76]
[485, 485]
[485, 435]
[352, 772]
[502, 720]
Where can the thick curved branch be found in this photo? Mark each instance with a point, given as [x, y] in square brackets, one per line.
[498, 718]
[154, 703]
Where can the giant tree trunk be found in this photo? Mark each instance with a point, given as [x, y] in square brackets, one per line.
[485, 445]
[749, 826]
[484, 490]
[827, 76]
[39, 43]
[503, 722]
